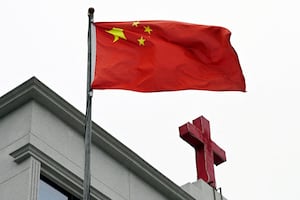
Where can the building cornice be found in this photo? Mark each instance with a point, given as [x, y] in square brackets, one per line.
[55, 171]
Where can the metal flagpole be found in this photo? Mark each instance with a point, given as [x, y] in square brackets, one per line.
[88, 120]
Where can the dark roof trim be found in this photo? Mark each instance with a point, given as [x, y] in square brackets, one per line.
[35, 90]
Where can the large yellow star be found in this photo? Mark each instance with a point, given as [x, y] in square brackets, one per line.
[141, 41]
[117, 33]
[147, 29]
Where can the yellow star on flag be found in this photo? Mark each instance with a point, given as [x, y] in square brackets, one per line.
[135, 24]
[141, 41]
[117, 33]
[147, 29]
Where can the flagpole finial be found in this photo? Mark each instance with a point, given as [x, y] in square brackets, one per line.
[91, 11]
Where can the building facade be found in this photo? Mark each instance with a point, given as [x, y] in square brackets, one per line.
[42, 155]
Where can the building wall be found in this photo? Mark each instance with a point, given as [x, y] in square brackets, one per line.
[200, 190]
[33, 124]
[15, 179]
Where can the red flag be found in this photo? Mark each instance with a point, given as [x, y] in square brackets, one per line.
[152, 56]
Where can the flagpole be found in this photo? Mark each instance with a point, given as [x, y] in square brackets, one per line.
[88, 120]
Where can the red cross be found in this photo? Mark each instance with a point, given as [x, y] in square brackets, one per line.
[208, 153]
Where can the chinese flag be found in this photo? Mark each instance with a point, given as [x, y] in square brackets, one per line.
[153, 56]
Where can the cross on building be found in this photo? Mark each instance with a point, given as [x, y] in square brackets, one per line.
[208, 153]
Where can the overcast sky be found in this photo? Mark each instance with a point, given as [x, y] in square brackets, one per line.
[259, 129]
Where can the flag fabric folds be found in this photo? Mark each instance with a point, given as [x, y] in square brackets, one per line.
[153, 56]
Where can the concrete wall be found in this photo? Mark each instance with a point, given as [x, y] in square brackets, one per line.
[200, 190]
[17, 181]
[33, 124]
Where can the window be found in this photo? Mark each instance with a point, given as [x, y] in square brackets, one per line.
[50, 191]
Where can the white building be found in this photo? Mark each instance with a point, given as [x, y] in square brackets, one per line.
[42, 155]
